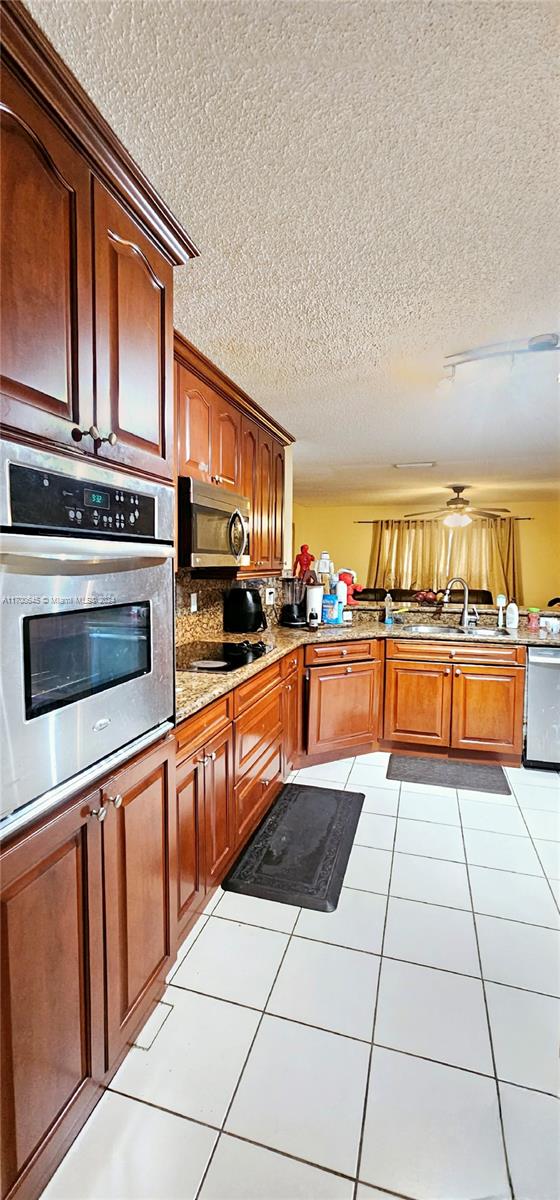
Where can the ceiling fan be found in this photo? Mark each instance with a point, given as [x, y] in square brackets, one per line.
[455, 512]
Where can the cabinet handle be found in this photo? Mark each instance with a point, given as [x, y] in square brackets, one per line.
[344, 653]
[457, 673]
[116, 800]
[348, 670]
[92, 432]
[95, 435]
[213, 756]
[100, 813]
[447, 671]
[452, 654]
[288, 687]
[204, 760]
[203, 466]
[216, 478]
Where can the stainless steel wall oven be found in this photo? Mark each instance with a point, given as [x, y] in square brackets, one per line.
[86, 621]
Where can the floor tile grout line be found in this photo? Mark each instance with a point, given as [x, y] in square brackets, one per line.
[550, 888]
[375, 1008]
[456, 908]
[487, 1010]
[246, 1060]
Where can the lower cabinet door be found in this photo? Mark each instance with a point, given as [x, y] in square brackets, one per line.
[256, 791]
[51, 991]
[488, 709]
[344, 706]
[191, 888]
[219, 813]
[139, 848]
[291, 719]
[418, 703]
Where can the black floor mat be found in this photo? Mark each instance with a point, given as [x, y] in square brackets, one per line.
[299, 853]
[447, 772]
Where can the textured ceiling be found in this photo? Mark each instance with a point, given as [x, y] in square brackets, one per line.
[373, 184]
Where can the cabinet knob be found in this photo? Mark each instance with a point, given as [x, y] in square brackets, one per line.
[116, 800]
[212, 757]
[344, 653]
[204, 760]
[349, 670]
[457, 673]
[100, 813]
[452, 653]
[111, 438]
[203, 466]
[288, 687]
[92, 432]
[447, 671]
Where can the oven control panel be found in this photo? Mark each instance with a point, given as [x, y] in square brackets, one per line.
[47, 500]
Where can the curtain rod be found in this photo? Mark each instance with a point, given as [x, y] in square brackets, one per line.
[377, 519]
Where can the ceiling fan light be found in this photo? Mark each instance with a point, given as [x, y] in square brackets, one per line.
[456, 520]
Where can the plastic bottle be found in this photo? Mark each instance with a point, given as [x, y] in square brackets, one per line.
[388, 609]
[512, 615]
[534, 620]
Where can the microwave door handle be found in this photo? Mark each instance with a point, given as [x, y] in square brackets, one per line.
[236, 514]
[16, 546]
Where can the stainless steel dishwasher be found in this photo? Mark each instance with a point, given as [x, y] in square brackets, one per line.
[542, 746]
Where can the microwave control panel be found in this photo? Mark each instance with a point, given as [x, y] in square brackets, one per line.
[51, 502]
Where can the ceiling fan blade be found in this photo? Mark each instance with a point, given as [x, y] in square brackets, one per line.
[430, 512]
[481, 512]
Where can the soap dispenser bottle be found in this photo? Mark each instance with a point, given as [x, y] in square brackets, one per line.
[512, 615]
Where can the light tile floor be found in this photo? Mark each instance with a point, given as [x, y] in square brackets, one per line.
[405, 1045]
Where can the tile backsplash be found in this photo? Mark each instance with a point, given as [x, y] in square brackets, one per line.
[208, 620]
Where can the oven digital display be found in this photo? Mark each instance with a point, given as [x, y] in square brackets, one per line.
[93, 498]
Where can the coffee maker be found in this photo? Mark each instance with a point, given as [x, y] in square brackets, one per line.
[292, 612]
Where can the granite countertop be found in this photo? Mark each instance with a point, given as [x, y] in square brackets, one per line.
[194, 691]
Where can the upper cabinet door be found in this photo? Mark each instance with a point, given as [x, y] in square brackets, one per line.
[134, 342]
[249, 483]
[226, 444]
[194, 425]
[266, 501]
[46, 308]
[278, 508]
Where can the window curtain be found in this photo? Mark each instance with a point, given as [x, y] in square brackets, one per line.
[425, 554]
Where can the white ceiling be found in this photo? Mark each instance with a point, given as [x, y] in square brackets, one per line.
[373, 184]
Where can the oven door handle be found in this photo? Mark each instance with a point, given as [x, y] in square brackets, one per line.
[15, 546]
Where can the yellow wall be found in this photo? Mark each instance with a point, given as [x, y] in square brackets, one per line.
[332, 528]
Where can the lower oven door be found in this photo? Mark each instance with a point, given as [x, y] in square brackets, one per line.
[87, 656]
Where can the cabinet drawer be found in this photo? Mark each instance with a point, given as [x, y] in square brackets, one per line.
[461, 652]
[256, 791]
[248, 693]
[256, 729]
[291, 662]
[342, 651]
[203, 725]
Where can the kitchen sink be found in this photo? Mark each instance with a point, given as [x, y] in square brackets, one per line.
[451, 630]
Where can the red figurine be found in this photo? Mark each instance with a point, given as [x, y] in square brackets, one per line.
[303, 561]
[348, 579]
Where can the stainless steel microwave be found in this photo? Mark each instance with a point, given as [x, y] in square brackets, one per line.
[213, 526]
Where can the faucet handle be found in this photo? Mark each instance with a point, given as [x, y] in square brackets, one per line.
[476, 616]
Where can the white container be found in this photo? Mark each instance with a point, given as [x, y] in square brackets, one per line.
[313, 599]
[512, 615]
[342, 591]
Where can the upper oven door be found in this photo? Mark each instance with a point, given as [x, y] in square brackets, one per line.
[88, 652]
[213, 527]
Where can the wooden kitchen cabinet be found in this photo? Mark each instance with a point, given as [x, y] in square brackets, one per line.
[277, 540]
[194, 424]
[52, 997]
[133, 341]
[226, 445]
[46, 295]
[418, 702]
[488, 709]
[250, 487]
[265, 501]
[139, 860]
[191, 882]
[257, 788]
[219, 809]
[291, 719]
[343, 706]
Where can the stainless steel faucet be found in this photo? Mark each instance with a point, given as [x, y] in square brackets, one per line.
[464, 622]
